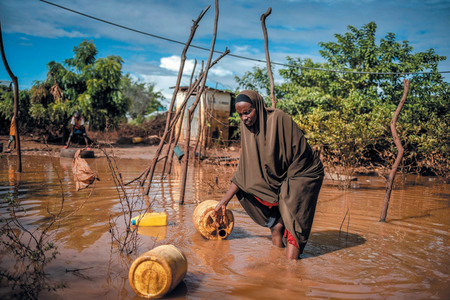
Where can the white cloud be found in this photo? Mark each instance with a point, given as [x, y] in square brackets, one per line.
[219, 71]
[245, 50]
[173, 62]
[162, 83]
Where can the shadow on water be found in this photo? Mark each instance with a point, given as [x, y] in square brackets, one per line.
[324, 242]
[241, 233]
[426, 213]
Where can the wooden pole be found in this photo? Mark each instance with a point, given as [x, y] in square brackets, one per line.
[184, 168]
[180, 124]
[151, 169]
[194, 27]
[398, 159]
[200, 122]
[266, 49]
[16, 100]
[171, 142]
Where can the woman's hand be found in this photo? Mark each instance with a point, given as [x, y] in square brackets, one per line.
[220, 212]
[221, 208]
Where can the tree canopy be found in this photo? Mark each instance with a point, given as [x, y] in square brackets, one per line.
[144, 99]
[90, 86]
[94, 87]
[336, 108]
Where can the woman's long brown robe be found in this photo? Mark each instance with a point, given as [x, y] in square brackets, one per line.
[278, 165]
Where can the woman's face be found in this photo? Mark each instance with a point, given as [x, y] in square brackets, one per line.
[247, 113]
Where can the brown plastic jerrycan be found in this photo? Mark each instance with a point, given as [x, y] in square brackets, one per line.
[158, 271]
[206, 224]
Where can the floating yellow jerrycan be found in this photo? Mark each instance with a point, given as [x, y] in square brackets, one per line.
[150, 219]
[206, 224]
[158, 271]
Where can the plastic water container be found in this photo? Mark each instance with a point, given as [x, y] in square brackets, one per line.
[158, 271]
[136, 140]
[206, 224]
[150, 219]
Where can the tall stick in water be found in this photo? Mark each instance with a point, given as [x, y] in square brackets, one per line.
[151, 169]
[16, 100]
[192, 109]
[172, 143]
[266, 49]
[398, 159]
[148, 173]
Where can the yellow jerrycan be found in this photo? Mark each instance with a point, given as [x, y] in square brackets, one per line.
[206, 224]
[158, 271]
[150, 219]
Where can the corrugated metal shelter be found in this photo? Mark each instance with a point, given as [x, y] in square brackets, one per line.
[214, 108]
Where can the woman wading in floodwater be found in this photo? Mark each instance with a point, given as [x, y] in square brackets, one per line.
[278, 177]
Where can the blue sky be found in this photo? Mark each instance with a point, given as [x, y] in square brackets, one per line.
[35, 33]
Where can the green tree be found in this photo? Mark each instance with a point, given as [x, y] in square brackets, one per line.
[336, 108]
[143, 97]
[7, 108]
[90, 86]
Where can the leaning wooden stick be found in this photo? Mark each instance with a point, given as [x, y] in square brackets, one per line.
[266, 49]
[192, 109]
[398, 159]
[16, 101]
[171, 140]
[174, 120]
[151, 169]
[180, 73]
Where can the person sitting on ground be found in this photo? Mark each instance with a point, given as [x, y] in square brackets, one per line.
[78, 128]
[12, 132]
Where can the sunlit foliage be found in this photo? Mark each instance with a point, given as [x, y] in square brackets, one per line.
[336, 109]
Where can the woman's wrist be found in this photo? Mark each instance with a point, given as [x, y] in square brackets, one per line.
[224, 200]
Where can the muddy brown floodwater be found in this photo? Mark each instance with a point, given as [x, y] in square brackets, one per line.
[406, 258]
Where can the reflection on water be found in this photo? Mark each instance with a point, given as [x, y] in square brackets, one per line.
[350, 255]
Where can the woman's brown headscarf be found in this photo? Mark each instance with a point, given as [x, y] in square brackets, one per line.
[278, 165]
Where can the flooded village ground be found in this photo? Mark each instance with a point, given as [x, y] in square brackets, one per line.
[350, 255]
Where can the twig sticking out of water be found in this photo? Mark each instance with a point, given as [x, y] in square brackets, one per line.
[28, 245]
[398, 159]
[128, 239]
[348, 222]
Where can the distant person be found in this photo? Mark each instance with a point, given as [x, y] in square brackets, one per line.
[78, 128]
[278, 178]
[12, 132]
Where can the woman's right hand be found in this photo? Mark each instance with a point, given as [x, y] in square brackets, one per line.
[221, 208]
[220, 212]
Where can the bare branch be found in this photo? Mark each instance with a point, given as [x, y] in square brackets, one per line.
[266, 50]
[390, 180]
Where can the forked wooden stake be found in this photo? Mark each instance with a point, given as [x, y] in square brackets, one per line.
[16, 100]
[194, 105]
[266, 50]
[151, 168]
[398, 159]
